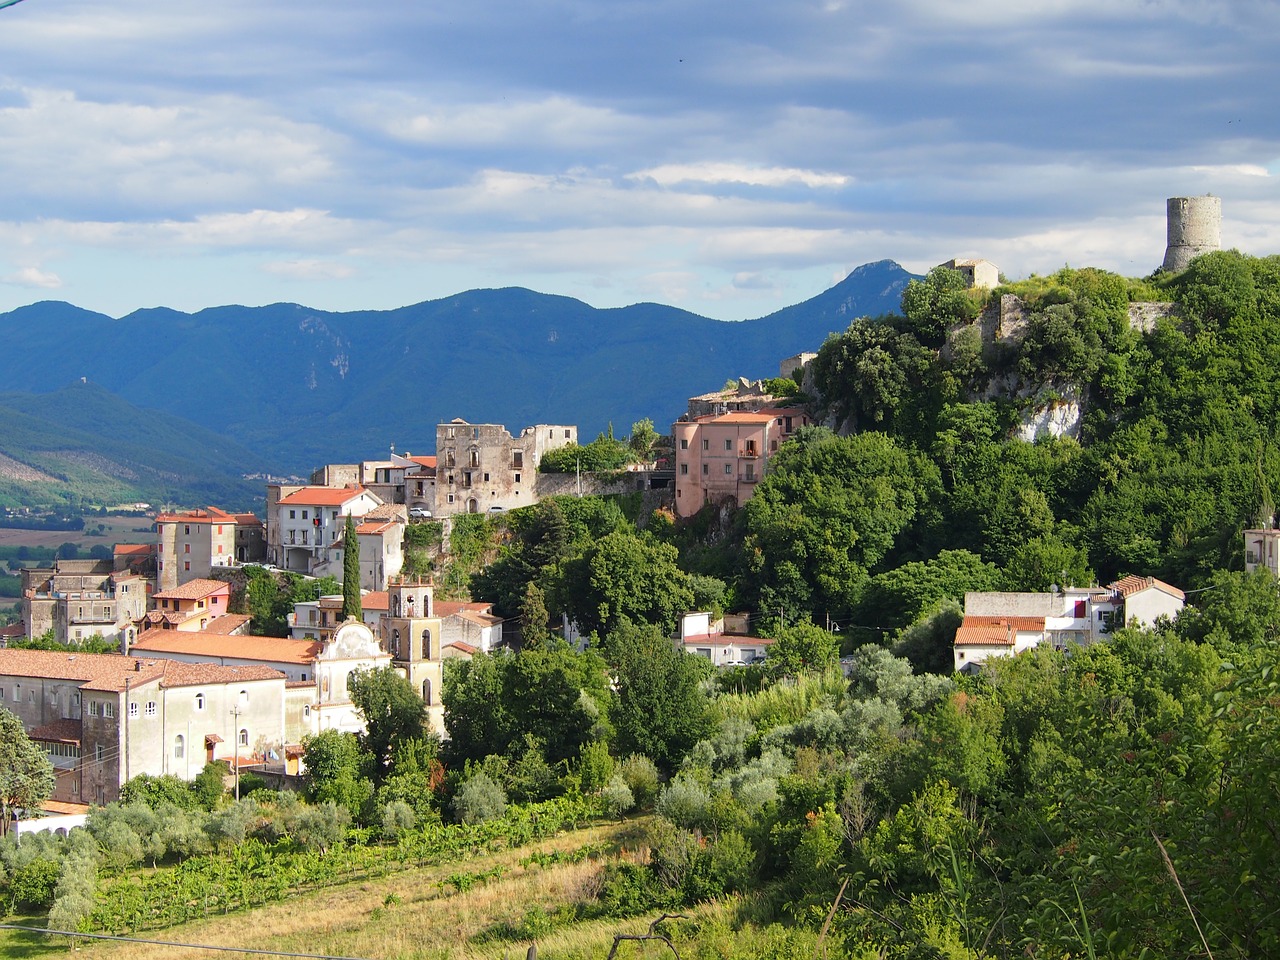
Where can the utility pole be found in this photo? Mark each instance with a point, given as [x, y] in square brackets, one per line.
[127, 678]
[235, 739]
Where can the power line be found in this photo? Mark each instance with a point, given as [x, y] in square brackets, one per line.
[8, 3]
[170, 943]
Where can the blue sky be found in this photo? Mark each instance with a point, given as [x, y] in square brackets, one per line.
[727, 158]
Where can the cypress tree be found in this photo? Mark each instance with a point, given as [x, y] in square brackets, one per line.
[351, 609]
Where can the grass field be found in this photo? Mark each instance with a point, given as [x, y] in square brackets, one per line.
[416, 915]
[116, 530]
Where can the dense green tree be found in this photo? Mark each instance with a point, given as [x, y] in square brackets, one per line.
[26, 776]
[903, 595]
[393, 713]
[660, 711]
[336, 771]
[802, 648]
[938, 302]
[351, 608]
[830, 510]
[622, 576]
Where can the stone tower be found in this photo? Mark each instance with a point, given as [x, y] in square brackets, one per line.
[412, 634]
[1195, 227]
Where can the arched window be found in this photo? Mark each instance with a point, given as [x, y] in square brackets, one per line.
[199, 701]
[395, 605]
[244, 737]
[179, 747]
[395, 643]
[426, 692]
[426, 644]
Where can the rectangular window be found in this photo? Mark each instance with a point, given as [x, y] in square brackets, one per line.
[684, 469]
[706, 469]
[186, 565]
[684, 443]
[293, 514]
[566, 434]
[728, 446]
[304, 514]
[186, 530]
[133, 711]
[97, 752]
[517, 478]
[151, 708]
[486, 478]
[706, 444]
[728, 469]
[93, 708]
[108, 708]
[517, 459]
[186, 548]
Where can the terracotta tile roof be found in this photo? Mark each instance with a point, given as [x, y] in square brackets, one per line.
[194, 590]
[423, 461]
[109, 671]
[227, 624]
[208, 515]
[466, 648]
[996, 631]
[62, 806]
[134, 549]
[1130, 585]
[388, 511]
[377, 528]
[450, 608]
[376, 600]
[323, 496]
[299, 684]
[60, 731]
[179, 674]
[13, 630]
[480, 619]
[214, 646]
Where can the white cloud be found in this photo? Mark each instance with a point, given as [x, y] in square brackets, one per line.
[709, 172]
[33, 277]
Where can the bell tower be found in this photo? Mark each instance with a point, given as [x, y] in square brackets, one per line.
[411, 633]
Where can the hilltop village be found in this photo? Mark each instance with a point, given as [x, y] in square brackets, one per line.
[878, 652]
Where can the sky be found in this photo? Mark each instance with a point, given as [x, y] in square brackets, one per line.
[727, 158]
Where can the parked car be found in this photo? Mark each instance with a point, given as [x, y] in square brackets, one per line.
[420, 513]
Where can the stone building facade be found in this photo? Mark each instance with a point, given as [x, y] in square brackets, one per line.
[79, 599]
[480, 467]
[192, 544]
[1193, 226]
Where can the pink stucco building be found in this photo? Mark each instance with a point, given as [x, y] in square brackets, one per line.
[725, 456]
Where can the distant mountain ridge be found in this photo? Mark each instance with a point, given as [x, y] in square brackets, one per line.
[291, 387]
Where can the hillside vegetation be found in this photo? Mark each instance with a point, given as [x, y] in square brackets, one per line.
[1114, 800]
[81, 447]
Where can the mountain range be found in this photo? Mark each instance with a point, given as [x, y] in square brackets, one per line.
[178, 406]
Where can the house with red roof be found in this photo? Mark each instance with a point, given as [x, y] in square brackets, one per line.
[723, 456]
[104, 718]
[305, 523]
[470, 626]
[1004, 624]
[191, 544]
[380, 546]
[189, 608]
[317, 672]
